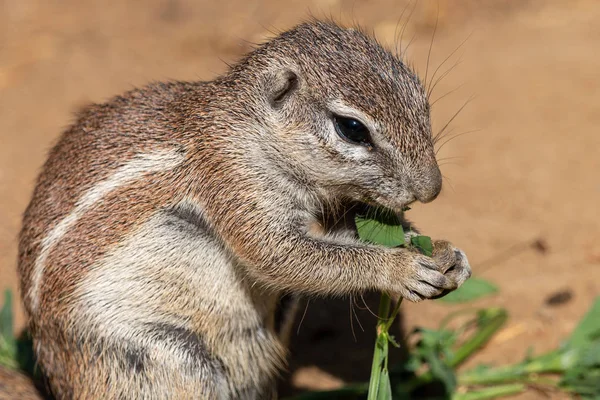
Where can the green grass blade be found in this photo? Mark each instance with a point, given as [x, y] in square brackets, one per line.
[381, 349]
[588, 328]
[385, 229]
[490, 321]
[384, 392]
[6, 318]
[8, 345]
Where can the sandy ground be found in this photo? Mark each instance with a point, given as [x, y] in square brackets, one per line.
[529, 172]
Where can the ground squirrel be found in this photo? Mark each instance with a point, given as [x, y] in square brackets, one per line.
[167, 222]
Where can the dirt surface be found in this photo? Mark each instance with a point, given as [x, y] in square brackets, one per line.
[521, 192]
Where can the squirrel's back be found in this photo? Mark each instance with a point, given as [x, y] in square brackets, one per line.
[91, 151]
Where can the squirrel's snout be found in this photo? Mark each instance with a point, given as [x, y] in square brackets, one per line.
[427, 185]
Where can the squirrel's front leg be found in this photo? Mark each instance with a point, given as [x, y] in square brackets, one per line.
[278, 253]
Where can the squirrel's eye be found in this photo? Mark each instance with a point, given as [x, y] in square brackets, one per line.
[352, 130]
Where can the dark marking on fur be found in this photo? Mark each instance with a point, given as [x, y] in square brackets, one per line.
[190, 215]
[135, 359]
[188, 341]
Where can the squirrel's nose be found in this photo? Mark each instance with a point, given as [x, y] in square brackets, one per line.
[427, 185]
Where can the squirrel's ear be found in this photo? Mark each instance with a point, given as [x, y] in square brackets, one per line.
[280, 86]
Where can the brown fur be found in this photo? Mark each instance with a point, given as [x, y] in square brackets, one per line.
[150, 282]
[14, 385]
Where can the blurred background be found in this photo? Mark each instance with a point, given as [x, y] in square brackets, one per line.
[522, 185]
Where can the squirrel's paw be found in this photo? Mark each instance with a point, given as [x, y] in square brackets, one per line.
[432, 277]
[453, 263]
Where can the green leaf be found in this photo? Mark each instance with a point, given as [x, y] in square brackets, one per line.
[6, 318]
[423, 243]
[591, 356]
[8, 345]
[472, 289]
[387, 233]
[384, 391]
[412, 364]
[393, 341]
[588, 328]
[435, 339]
[440, 370]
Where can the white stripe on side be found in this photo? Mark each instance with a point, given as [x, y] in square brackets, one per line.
[133, 170]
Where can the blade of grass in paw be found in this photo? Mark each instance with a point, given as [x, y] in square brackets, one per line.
[385, 232]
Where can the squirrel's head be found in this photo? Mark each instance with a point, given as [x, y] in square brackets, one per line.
[344, 116]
